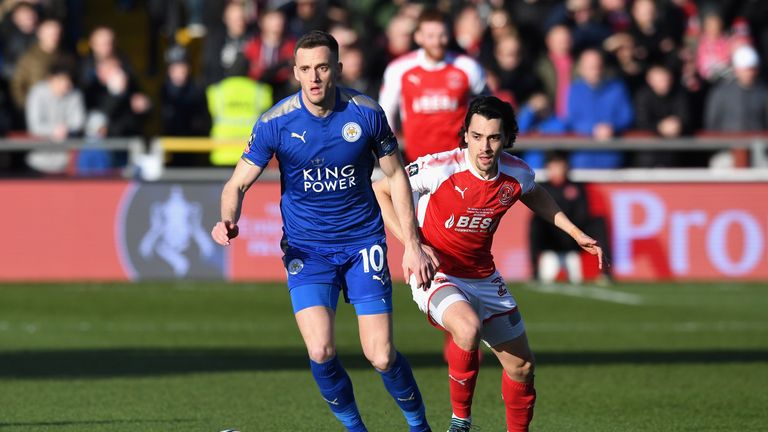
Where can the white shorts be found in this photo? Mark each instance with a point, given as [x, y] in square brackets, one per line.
[489, 297]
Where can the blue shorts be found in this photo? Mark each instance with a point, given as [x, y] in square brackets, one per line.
[317, 274]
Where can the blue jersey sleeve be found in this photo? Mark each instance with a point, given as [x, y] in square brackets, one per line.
[384, 142]
[262, 144]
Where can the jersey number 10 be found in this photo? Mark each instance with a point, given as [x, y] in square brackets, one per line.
[373, 258]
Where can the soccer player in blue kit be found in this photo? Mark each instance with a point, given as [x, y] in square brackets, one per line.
[326, 140]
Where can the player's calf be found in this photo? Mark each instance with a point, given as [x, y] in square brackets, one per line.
[519, 400]
[401, 385]
[463, 367]
[336, 390]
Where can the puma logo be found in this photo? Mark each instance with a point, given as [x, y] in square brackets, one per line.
[460, 381]
[461, 191]
[379, 278]
[333, 402]
[409, 398]
[301, 137]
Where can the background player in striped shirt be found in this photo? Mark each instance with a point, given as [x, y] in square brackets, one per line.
[463, 194]
[327, 139]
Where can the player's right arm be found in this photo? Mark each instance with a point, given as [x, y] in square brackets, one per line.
[244, 175]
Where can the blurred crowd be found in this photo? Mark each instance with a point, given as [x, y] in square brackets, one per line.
[595, 68]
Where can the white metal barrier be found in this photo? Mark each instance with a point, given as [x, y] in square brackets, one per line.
[148, 164]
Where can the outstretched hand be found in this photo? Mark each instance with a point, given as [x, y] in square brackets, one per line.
[422, 263]
[223, 231]
[590, 245]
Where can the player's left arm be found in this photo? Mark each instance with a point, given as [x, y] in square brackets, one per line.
[415, 260]
[384, 196]
[541, 203]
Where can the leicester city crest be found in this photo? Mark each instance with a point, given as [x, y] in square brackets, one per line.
[351, 132]
[295, 266]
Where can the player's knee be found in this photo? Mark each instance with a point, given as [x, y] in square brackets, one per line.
[321, 353]
[522, 371]
[381, 359]
[526, 371]
[467, 334]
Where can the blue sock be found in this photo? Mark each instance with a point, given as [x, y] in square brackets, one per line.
[401, 384]
[336, 389]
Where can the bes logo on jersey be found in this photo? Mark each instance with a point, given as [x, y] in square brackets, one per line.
[449, 222]
[469, 223]
[327, 179]
[413, 169]
[434, 103]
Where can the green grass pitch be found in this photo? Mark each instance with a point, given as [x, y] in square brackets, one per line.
[212, 356]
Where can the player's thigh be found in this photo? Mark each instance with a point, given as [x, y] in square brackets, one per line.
[316, 325]
[462, 322]
[442, 293]
[366, 278]
[376, 339]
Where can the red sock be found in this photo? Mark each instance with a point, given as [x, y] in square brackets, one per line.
[463, 367]
[447, 341]
[519, 399]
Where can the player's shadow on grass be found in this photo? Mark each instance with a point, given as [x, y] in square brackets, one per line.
[61, 423]
[103, 363]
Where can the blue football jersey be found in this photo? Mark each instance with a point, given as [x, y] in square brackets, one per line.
[325, 167]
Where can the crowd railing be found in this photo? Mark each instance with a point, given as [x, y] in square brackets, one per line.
[147, 160]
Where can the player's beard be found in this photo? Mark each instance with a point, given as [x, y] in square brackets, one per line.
[436, 54]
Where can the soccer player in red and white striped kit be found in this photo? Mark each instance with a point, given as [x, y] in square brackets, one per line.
[463, 194]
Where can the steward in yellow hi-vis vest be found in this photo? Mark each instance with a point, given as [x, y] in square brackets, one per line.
[235, 103]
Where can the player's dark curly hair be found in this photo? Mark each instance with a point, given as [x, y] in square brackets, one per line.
[492, 107]
[317, 38]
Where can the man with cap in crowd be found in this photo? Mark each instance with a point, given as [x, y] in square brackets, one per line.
[739, 104]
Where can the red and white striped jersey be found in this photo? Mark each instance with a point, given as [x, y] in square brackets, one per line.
[431, 97]
[459, 211]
